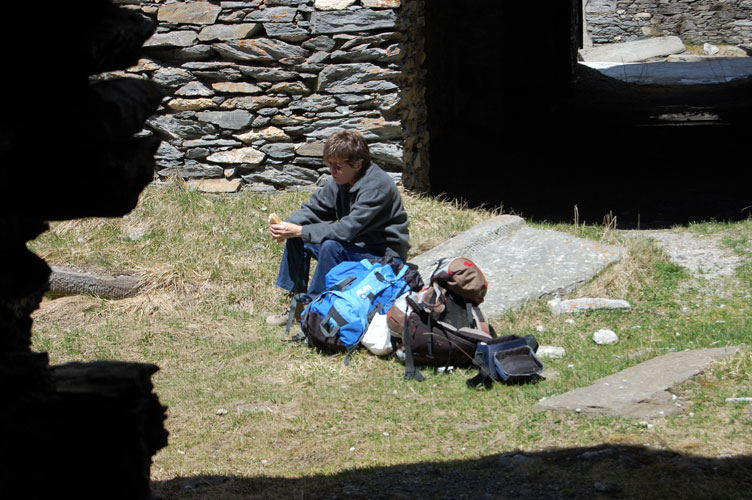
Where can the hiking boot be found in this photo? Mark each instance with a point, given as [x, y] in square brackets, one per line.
[281, 318]
[278, 319]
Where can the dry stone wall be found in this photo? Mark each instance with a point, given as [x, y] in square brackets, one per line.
[695, 21]
[255, 87]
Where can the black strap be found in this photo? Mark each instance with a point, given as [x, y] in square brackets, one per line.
[438, 263]
[342, 284]
[532, 342]
[411, 372]
[481, 379]
[470, 316]
[291, 316]
[338, 319]
[349, 354]
[449, 356]
[430, 337]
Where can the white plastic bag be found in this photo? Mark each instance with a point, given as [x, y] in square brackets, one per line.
[377, 338]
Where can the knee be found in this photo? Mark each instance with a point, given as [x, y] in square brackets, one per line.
[331, 248]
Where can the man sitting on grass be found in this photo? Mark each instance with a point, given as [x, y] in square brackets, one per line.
[357, 215]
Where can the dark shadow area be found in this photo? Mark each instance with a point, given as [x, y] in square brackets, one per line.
[78, 430]
[510, 124]
[600, 472]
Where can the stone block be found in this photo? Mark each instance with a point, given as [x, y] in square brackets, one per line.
[188, 13]
[199, 104]
[183, 38]
[268, 134]
[236, 87]
[347, 21]
[225, 32]
[289, 32]
[356, 78]
[259, 49]
[249, 155]
[215, 185]
[582, 304]
[640, 391]
[232, 120]
[381, 4]
[311, 149]
[332, 4]
[634, 51]
[279, 14]
[523, 264]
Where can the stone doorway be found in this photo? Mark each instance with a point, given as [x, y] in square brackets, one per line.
[514, 121]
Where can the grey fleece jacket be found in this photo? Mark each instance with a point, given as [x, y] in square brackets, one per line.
[368, 214]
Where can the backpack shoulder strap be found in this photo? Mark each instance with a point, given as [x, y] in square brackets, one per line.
[411, 372]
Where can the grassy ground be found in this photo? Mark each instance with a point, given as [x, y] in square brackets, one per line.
[251, 416]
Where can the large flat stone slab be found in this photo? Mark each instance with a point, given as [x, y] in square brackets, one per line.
[633, 51]
[640, 391]
[522, 263]
[711, 71]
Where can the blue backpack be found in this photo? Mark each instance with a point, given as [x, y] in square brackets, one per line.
[337, 319]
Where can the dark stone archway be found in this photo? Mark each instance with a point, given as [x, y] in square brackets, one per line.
[514, 121]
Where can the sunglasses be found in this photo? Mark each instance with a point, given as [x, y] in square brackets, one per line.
[338, 166]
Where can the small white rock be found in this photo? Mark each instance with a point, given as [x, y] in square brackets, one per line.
[605, 336]
[550, 351]
[710, 49]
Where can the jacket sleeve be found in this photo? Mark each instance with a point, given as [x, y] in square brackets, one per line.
[319, 209]
[366, 208]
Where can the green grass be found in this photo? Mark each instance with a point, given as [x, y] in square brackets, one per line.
[244, 404]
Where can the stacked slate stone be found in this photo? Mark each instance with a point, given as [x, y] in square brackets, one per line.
[694, 21]
[79, 430]
[255, 87]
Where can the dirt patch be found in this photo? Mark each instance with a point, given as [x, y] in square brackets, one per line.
[73, 311]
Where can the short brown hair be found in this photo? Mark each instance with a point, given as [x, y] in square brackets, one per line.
[349, 146]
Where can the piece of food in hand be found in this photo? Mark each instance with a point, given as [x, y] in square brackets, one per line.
[274, 218]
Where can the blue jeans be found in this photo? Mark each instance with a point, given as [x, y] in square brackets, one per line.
[296, 263]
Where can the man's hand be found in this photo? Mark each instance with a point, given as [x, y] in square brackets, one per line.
[283, 230]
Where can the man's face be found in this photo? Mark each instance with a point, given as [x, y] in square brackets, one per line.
[343, 171]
